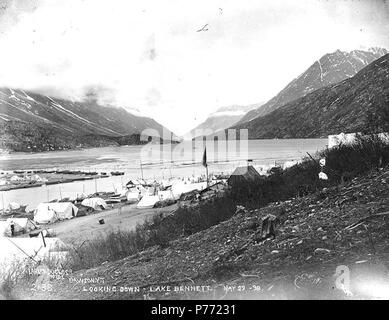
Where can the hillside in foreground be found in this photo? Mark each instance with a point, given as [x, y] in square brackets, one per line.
[344, 225]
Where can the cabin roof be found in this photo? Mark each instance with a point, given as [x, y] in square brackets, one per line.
[247, 172]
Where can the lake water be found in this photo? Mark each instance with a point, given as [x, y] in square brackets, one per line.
[151, 161]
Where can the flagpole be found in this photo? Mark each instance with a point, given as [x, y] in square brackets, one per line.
[206, 167]
[141, 169]
[2, 198]
[205, 164]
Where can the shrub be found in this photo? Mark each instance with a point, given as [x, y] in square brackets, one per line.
[156, 231]
[347, 161]
[342, 162]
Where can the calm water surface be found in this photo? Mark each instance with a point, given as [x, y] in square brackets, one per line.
[151, 161]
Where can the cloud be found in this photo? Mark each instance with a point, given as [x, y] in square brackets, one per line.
[147, 55]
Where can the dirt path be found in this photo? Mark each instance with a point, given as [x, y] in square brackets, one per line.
[343, 228]
[88, 227]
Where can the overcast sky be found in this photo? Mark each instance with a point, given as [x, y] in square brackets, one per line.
[147, 55]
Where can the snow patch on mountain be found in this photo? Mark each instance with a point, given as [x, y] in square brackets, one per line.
[330, 69]
[222, 118]
[227, 113]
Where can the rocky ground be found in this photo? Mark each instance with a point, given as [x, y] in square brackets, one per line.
[333, 237]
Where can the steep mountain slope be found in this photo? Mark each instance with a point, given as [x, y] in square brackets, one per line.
[26, 118]
[342, 107]
[317, 234]
[329, 69]
[223, 118]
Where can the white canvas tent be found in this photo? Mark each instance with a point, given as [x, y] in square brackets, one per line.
[142, 190]
[165, 195]
[148, 202]
[95, 203]
[166, 183]
[64, 210]
[122, 191]
[133, 189]
[146, 191]
[53, 211]
[15, 178]
[151, 191]
[3, 227]
[119, 189]
[43, 214]
[135, 182]
[14, 250]
[13, 206]
[37, 178]
[21, 225]
[133, 196]
[179, 188]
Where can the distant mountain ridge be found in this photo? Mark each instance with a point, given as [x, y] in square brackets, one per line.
[329, 69]
[222, 118]
[34, 122]
[342, 107]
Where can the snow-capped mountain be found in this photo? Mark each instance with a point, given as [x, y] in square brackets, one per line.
[378, 50]
[222, 118]
[351, 105]
[329, 69]
[34, 122]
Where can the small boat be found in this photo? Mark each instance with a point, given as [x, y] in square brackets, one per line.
[30, 185]
[91, 173]
[117, 173]
[111, 201]
[79, 179]
[52, 182]
[35, 233]
[64, 172]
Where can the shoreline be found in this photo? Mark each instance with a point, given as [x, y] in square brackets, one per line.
[4, 152]
[86, 177]
[127, 160]
[46, 179]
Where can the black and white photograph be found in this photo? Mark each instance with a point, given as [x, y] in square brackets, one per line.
[194, 150]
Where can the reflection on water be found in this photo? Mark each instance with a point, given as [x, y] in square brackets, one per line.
[157, 161]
